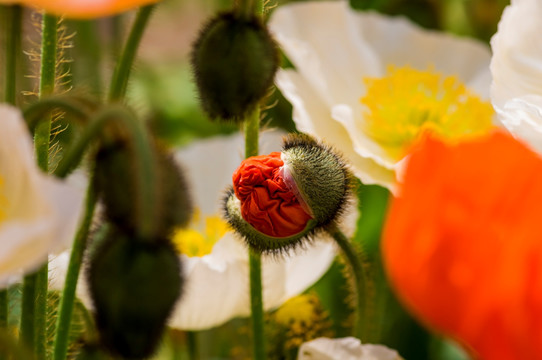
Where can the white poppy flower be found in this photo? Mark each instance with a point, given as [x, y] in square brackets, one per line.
[215, 262]
[516, 67]
[340, 57]
[38, 214]
[344, 349]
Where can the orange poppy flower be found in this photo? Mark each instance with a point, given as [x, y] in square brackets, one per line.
[463, 244]
[84, 8]
[267, 203]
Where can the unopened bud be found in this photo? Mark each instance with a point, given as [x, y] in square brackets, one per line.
[134, 286]
[234, 61]
[118, 180]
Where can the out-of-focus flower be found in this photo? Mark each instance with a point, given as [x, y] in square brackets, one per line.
[215, 262]
[83, 8]
[38, 214]
[344, 349]
[298, 320]
[371, 85]
[516, 91]
[462, 244]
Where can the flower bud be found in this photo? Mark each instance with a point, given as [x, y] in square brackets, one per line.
[134, 286]
[118, 180]
[279, 199]
[234, 62]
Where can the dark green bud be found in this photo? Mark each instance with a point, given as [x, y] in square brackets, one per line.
[234, 62]
[118, 179]
[134, 286]
[281, 200]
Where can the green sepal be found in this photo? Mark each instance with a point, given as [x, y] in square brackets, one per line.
[321, 176]
[257, 241]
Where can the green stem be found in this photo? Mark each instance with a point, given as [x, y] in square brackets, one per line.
[360, 278]
[119, 83]
[12, 30]
[89, 51]
[252, 128]
[12, 40]
[246, 8]
[34, 300]
[192, 344]
[65, 309]
[42, 134]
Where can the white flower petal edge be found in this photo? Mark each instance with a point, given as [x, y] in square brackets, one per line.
[334, 47]
[344, 349]
[39, 213]
[516, 67]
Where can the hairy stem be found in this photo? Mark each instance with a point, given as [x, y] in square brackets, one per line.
[360, 278]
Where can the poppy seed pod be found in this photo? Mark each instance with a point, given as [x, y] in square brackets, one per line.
[234, 62]
[277, 200]
[134, 286]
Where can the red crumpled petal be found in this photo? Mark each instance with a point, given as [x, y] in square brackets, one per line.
[266, 202]
[463, 244]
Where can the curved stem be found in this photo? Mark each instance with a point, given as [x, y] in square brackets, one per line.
[359, 276]
[119, 83]
[65, 308]
[35, 113]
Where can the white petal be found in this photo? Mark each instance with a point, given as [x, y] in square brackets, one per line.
[399, 42]
[313, 117]
[212, 294]
[40, 214]
[517, 52]
[318, 39]
[344, 349]
[523, 118]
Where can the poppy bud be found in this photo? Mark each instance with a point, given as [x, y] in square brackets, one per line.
[134, 286]
[279, 199]
[234, 62]
[117, 180]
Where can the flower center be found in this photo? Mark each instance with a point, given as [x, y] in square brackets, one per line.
[200, 236]
[299, 309]
[3, 201]
[407, 102]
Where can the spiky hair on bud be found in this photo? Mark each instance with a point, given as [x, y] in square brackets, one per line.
[321, 182]
[322, 176]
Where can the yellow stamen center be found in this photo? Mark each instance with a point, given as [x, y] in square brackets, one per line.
[3, 201]
[304, 319]
[200, 236]
[407, 102]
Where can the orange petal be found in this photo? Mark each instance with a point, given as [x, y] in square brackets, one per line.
[86, 8]
[463, 244]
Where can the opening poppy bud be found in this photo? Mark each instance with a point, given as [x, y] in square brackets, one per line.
[279, 199]
[234, 62]
[134, 286]
[118, 179]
